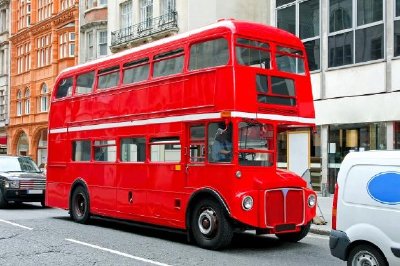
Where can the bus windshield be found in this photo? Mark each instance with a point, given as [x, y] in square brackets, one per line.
[255, 144]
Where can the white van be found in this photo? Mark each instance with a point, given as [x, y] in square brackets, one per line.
[366, 209]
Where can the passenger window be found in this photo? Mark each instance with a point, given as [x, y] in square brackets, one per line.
[136, 71]
[133, 150]
[108, 77]
[84, 83]
[64, 88]
[197, 144]
[165, 150]
[253, 53]
[289, 60]
[281, 91]
[168, 63]
[105, 151]
[81, 150]
[209, 54]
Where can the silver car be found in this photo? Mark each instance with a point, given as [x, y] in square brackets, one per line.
[20, 181]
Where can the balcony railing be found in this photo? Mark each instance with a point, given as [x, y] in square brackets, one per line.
[147, 28]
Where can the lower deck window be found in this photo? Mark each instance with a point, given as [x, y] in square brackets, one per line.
[81, 150]
[105, 151]
[165, 150]
[133, 150]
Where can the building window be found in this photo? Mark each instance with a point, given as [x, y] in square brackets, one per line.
[348, 43]
[302, 18]
[43, 50]
[65, 4]
[146, 13]
[27, 101]
[3, 20]
[45, 9]
[3, 62]
[19, 103]
[126, 14]
[167, 7]
[89, 4]
[23, 14]
[44, 98]
[89, 45]
[397, 30]
[67, 44]
[102, 43]
[102, 2]
[23, 57]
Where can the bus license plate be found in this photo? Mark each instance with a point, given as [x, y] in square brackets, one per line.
[35, 191]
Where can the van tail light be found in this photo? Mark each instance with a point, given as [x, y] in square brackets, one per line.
[334, 207]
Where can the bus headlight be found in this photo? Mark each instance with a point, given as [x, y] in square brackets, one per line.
[312, 200]
[247, 203]
[11, 184]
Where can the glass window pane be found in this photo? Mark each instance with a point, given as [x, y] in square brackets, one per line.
[340, 15]
[397, 37]
[197, 143]
[309, 19]
[313, 54]
[369, 11]
[253, 57]
[262, 83]
[209, 54]
[287, 19]
[64, 88]
[340, 49]
[289, 64]
[84, 83]
[369, 43]
[108, 80]
[168, 152]
[397, 8]
[220, 142]
[168, 66]
[133, 150]
[282, 86]
[283, 2]
[81, 150]
[136, 74]
[105, 153]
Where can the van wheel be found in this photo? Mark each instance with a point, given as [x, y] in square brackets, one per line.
[295, 237]
[366, 255]
[3, 202]
[210, 226]
[79, 209]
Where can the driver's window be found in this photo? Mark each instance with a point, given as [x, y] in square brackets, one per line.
[220, 142]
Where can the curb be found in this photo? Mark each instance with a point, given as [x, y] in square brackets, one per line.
[320, 231]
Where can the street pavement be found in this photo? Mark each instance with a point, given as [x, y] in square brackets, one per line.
[324, 212]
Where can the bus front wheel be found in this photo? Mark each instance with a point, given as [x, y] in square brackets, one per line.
[79, 209]
[210, 226]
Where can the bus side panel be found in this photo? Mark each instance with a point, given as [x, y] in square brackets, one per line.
[200, 90]
[81, 109]
[60, 114]
[102, 187]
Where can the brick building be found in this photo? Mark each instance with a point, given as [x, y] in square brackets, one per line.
[43, 43]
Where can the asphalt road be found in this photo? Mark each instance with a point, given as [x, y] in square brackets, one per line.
[30, 235]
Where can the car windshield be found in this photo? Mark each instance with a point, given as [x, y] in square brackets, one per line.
[21, 164]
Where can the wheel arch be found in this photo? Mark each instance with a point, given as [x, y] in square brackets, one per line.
[78, 182]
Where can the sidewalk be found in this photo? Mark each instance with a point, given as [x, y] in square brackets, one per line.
[324, 210]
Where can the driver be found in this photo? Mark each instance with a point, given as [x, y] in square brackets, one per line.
[222, 147]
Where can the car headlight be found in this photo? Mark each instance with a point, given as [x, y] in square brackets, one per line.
[11, 184]
[312, 200]
[247, 203]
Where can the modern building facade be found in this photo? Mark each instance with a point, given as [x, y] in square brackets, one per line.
[93, 33]
[4, 71]
[43, 42]
[354, 53]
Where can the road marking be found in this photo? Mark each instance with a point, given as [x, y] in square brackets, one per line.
[318, 236]
[14, 224]
[117, 252]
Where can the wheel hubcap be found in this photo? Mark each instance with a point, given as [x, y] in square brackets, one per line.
[364, 258]
[208, 222]
[80, 207]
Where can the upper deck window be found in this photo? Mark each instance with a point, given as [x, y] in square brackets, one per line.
[209, 54]
[289, 60]
[84, 83]
[168, 63]
[108, 77]
[64, 88]
[136, 71]
[253, 53]
[281, 91]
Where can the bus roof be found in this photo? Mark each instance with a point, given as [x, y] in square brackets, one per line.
[232, 25]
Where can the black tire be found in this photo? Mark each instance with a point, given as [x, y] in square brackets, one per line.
[295, 237]
[366, 255]
[3, 202]
[79, 205]
[210, 226]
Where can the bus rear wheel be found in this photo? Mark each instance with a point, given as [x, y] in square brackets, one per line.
[79, 209]
[210, 226]
[295, 237]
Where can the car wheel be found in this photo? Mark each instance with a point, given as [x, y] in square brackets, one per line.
[79, 206]
[366, 255]
[3, 202]
[295, 237]
[210, 226]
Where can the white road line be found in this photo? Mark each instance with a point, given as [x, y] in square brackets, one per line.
[117, 252]
[14, 224]
[318, 236]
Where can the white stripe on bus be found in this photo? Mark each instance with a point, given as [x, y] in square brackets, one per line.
[183, 118]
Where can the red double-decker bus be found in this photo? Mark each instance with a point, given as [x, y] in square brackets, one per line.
[182, 133]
